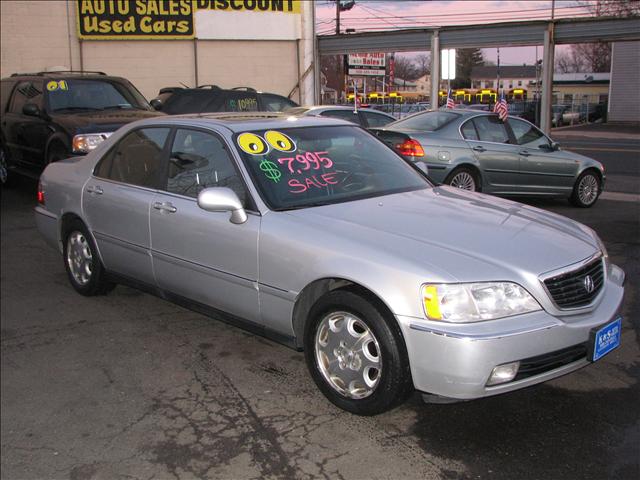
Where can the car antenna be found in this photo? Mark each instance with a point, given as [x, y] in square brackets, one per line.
[184, 85]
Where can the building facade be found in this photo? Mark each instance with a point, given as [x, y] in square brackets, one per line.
[264, 44]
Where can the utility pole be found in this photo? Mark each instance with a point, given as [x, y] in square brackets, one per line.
[337, 17]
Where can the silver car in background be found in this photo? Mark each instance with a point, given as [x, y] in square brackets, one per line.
[475, 150]
[312, 232]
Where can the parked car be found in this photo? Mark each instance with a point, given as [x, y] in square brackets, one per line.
[211, 98]
[365, 117]
[48, 116]
[477, 151]
[526, 110]
[311, 231]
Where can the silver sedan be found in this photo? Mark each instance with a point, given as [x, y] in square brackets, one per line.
[312, 232]
[475, 150]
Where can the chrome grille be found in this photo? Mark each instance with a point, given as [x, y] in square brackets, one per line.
[570, 290]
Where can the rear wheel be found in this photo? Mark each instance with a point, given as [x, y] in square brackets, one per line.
[84, 269]
[464, 178]
[356, 355]
[586, 189]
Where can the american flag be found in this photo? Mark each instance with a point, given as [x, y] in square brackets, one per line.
[501, 108]
[450, 102]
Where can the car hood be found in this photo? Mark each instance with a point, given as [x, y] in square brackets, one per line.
[469, 236]
[101, 121]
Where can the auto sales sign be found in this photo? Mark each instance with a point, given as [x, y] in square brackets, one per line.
[366, 64]
[184, 19]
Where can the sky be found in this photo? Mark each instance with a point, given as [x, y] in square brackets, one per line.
[371, 15]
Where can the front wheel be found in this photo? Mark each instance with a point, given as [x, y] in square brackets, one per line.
[84, 269]
[56, 152]
[464, 179]
[586, 190]
[356, 355]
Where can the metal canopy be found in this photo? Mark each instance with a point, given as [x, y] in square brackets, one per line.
[483, 36]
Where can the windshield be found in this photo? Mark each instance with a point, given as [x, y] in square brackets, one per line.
[303, 167]
[84, 94]
[429, 121]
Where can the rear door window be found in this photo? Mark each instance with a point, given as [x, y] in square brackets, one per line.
[491, 129]
[136, 159]
[26, 92]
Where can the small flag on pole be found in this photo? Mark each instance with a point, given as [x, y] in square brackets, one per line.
[450, 102]
[501, 108]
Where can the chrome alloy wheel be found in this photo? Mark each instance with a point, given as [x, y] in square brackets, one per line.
[588, 189]
[79, 258]
[463, 180]
[348, 355]
[4, 167]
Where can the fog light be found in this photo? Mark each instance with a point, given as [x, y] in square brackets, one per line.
[503, 373]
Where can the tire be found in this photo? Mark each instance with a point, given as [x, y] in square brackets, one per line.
[586, 190]
[55, 152]
[377, 370]
[464, 178]
[6, 178]
[84, 268]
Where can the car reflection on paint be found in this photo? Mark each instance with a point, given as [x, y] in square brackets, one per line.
[476, 151]
[312, 232]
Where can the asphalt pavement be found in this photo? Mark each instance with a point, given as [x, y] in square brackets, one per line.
[130, 386]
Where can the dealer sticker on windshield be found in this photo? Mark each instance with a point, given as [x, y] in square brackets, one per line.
[605, 339]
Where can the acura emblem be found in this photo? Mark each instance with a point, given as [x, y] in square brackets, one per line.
[588, 284]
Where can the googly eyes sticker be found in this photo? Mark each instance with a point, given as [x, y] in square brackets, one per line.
[280, 141]
[256, 145]
[252, 144]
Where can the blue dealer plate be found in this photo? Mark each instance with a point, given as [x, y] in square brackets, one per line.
[605, 339]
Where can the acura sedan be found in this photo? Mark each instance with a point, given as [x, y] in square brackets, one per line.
[477, 151]
[314, 233]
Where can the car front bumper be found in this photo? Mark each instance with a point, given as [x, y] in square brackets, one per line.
[456, 360]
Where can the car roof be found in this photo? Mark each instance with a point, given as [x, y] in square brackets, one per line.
[243, 121]
[62, 74]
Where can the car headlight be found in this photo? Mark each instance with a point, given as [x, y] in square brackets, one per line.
[84, 143]
[475, 302]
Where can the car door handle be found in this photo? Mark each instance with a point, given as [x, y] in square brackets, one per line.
[525, 153]
[165, 207]
[97, 190]
[479, 148]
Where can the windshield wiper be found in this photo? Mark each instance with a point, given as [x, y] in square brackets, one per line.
[121, 107]
[306, 205]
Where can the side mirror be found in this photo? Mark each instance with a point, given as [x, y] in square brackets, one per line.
[156, 103]
[222, 199]
[31, 109]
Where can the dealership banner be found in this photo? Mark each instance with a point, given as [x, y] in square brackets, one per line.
[184, 19]
[366, 64]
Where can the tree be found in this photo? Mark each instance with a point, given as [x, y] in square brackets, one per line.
[613, 8]
[331, 66]
[406, 69]
[466, 59]
[584, 57]
[423, 63]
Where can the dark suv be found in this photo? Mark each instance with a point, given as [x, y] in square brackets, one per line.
[48, 116]
[211, 98]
